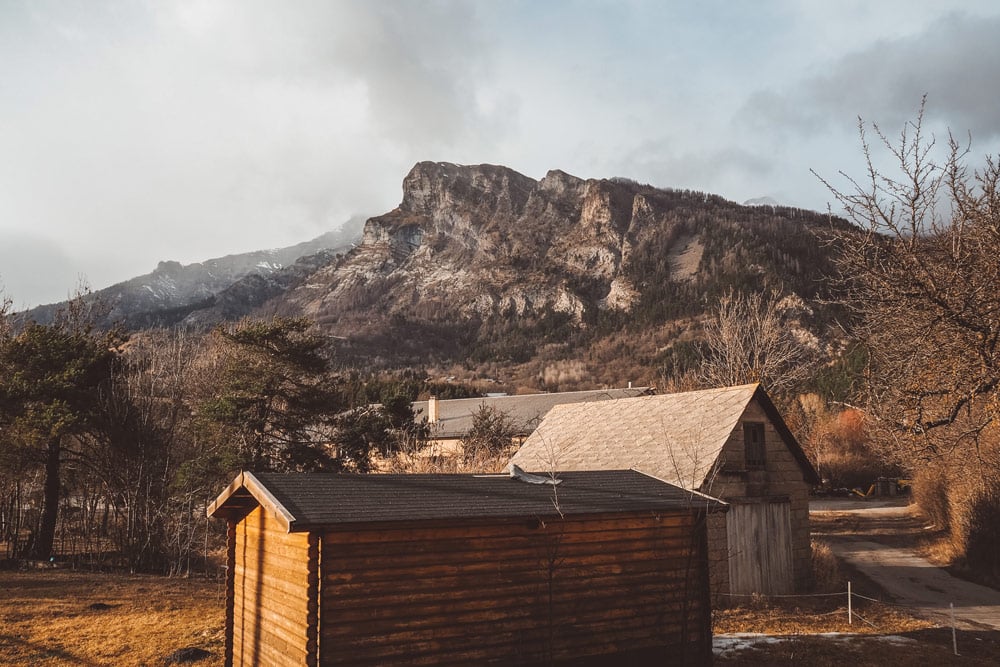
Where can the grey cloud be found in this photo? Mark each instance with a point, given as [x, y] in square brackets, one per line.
[734, 169]
[191, 130]
[955, 62]
[417, 62]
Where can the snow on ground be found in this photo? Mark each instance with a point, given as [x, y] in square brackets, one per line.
[728, 644]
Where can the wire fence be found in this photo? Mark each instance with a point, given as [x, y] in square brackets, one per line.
[852, 613]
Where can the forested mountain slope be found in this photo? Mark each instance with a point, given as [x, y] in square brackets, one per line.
[601, 279]
[480, 270]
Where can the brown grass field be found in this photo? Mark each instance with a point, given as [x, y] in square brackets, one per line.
[58, 617]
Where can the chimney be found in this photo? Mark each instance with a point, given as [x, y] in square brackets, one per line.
[432, 410]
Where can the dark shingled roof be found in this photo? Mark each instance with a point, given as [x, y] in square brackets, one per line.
[304, 500]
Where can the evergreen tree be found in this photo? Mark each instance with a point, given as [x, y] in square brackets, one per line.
[276, 400]
[50, 379]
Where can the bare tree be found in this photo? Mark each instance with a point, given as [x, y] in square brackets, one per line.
[922, 278]
[749, 340]
[5, 306]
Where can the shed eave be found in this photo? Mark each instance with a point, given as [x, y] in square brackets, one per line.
[712, 504]
[226, 505]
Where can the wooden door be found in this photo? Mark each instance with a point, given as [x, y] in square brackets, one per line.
[760, 547]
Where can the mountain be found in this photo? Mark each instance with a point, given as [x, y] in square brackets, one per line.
[480, 266]
[173, 291]
[484, 272]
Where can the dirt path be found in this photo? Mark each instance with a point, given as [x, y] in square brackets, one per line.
[879, 539]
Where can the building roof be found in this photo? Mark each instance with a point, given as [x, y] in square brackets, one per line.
[677, 437]
[305, 500]
[525, 410]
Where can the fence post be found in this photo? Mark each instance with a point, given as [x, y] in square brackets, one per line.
[954, 635]
[850, 615]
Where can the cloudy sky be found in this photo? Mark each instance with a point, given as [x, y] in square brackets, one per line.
[133, 132]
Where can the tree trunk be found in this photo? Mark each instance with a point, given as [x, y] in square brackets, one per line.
[42, 547]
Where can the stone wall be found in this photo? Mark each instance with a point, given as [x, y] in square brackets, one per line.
[781, 476]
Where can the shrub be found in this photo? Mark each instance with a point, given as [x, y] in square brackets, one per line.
[930, 492]
[491, 436]
[982, 522]
[827, 577]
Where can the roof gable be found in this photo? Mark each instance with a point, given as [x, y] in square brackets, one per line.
[304, 500]
[677, 437]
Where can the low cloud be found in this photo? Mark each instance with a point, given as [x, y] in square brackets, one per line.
[33, 269]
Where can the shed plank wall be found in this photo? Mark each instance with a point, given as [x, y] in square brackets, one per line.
[515, 594]
[760, 544]
[272, 587]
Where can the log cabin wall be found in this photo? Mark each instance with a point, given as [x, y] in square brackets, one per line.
[273, 593]
[624, 587]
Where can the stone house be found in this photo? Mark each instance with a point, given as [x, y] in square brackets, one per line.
[730, 444]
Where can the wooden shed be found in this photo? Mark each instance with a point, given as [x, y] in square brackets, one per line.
[601, 568]
[730, 443]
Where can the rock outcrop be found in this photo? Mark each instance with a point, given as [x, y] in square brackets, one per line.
[485, 242]
[481, 263]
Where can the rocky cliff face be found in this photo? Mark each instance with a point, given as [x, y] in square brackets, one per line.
[483, 265]
[476, 241]
[479, 255]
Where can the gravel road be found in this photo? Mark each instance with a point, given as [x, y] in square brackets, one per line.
[909, 578]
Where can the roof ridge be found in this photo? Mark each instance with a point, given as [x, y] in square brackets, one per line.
[541, 393]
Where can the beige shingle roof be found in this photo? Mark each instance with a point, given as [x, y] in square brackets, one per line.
[676, 437]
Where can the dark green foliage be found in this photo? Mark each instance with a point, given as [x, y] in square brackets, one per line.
[51, 378]
[50, 375]
[276, 400]
[515, 340]
[359, 433]
[385, 428]
[358, 391]
[398, 408]
[843, 379]
[491, 435]
[681, 357]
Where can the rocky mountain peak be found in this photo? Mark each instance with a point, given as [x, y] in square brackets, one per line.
[436, 187]
[168, 267]
[482, 264]
[559, 182]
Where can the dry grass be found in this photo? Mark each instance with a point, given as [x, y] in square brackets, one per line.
[825, 610]
[802, 622]
[47, 618]
[827, 575]
[804, 616]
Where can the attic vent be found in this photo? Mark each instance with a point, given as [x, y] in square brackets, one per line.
[519, 475]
